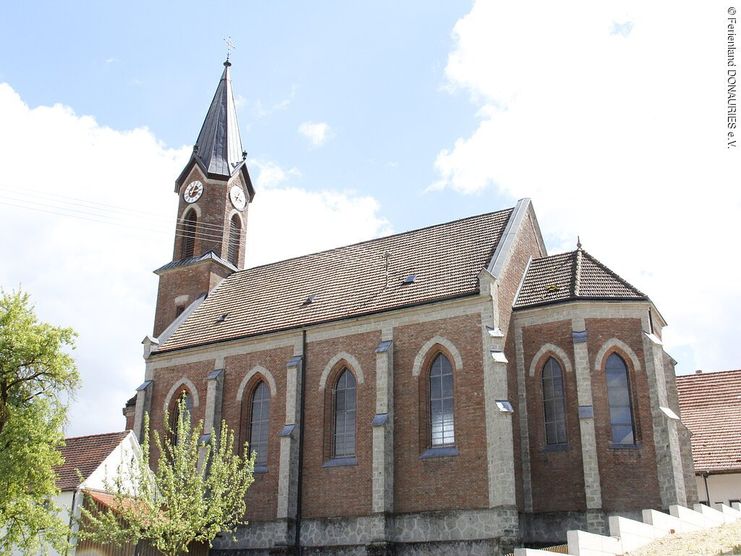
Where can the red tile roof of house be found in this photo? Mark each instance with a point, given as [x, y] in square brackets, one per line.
[711, 408]
[346, 282]
[85, 453]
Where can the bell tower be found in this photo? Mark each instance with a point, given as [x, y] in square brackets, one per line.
[214, 191]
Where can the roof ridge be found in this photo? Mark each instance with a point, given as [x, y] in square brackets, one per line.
[613, 273]
[96, 435]
[576, 283]
[397, 234]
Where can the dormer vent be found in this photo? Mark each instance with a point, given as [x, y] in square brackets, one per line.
[409, 279]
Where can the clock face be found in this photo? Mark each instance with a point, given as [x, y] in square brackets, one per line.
[236, 196]
[193, 192]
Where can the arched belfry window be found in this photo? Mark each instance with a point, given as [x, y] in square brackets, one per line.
[618, 397]
[442, 429]
[343, 397]
[259, 424]
[188, 231]
[235, 228]
[554, 411]
[187, 400]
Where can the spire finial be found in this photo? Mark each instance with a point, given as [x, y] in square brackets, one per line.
[229, 47]
[578, 243]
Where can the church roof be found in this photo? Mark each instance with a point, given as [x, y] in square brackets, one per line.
[572, 276]
[85, 453]
[219, 146]
[438, 262]
[710, 405]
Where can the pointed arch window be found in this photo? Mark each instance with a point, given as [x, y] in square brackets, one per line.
[185, 397]
[554, 411]
[442, 426]
[260, 424]
[622, 423]
[343, 395]
[190, 223]
[235, 229]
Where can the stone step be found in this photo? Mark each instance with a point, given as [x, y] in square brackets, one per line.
[736, 506]
[668, 523]
[730, 511]
[717, 517]
[582, 543]
[634, 534]
[532, 552]
[691, 516]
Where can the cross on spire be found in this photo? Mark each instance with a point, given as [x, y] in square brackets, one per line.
[229, 47]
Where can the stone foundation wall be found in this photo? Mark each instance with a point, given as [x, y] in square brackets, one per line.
[492, 531]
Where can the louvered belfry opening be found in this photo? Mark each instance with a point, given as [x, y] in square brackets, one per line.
[190, 224]
[234, 233]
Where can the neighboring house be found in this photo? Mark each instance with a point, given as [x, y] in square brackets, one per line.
[90, 462]
[452, 389]
[711, 409]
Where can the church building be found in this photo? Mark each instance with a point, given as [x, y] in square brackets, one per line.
[448, 390]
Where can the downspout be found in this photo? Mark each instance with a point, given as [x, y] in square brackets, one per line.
[707, 492]
[300, 485]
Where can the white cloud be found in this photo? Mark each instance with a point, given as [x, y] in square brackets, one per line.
[94, 271]
[619, 137]
[270, 174]
[316, 132]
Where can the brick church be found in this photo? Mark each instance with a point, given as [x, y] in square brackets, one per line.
[452, 389]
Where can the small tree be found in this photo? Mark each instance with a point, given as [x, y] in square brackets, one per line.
[197, 490]
[35, 371]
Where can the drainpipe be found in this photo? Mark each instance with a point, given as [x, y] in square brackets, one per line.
[300, 486]
[707, 492]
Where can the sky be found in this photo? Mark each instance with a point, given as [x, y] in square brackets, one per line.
[362, 119]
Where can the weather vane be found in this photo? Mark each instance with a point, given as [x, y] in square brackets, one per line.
[229, 46]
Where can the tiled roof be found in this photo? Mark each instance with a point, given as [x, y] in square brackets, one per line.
[710, 404]
[85, 453]
[348, 281]
[571, 276]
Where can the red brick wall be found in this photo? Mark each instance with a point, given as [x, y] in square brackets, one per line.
[346, 490]
[628, 475]
[262, 496]
[557, 476]
[165, 377]
[191, 281]
[458, 482]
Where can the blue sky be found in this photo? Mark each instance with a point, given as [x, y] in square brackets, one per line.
[374, 72]
[361, 119]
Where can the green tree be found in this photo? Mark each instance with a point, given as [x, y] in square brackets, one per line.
[197, 490]
[35, 371]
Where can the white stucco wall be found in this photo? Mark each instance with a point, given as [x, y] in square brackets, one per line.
[723, 488]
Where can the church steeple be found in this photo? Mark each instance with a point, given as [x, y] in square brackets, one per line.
[214, 191]
[219, 146]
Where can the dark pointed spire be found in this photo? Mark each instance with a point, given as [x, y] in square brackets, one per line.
[219, 146]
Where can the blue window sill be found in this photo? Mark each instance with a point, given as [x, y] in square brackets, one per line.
[260, 469]
[442, 452]
[636, 446]
[340, 462]
[556, 448]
